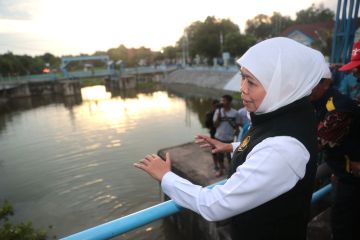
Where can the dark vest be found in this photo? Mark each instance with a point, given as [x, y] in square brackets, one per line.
[286, 216]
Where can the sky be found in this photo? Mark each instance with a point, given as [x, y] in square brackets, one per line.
[71, 27]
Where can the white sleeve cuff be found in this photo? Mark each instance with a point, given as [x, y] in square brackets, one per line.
[167, 182]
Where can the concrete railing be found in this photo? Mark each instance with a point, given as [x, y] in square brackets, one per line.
[84, 74]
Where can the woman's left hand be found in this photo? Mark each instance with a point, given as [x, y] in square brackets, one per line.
[155, 166]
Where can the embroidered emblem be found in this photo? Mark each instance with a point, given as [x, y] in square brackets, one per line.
[244, 144]
[355, 51]
[330, 105]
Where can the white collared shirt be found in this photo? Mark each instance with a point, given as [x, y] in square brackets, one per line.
[272, 168]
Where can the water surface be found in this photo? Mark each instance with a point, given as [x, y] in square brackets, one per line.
[68, 162]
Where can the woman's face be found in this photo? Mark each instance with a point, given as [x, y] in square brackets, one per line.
[252, 91]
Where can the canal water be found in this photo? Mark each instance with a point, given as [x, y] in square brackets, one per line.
[68, 162]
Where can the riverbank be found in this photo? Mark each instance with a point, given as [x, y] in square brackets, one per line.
[210, 82]
[202, 77]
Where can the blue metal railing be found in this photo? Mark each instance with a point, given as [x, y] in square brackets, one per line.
[319, 194]
[125, 224]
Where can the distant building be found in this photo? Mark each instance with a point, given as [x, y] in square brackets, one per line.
[307, 34]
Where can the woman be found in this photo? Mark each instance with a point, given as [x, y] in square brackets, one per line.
[268, 193]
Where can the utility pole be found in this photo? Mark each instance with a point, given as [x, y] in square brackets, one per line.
[185, 49]
[221, 44]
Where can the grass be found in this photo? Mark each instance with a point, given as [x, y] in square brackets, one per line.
[87, 82]
[147, 85]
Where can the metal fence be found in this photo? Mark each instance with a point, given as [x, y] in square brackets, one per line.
[125, 224]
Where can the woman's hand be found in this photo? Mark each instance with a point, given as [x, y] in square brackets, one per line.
[155, 166]
[215, 145]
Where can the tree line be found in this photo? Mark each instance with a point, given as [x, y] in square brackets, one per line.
[203, 40]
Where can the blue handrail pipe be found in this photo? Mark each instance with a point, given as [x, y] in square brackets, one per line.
[130, 222]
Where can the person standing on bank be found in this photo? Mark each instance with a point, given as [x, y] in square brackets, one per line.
[209, 123]
[268, 193]
[227, 122]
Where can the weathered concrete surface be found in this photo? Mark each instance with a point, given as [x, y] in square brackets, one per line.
[42, 88]
[3, 101]
[21, 90]
[187, 90]
[319, 226]
[196, 165]
[67, 87]
[201, 78]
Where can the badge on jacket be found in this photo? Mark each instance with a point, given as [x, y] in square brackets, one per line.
[244, 144]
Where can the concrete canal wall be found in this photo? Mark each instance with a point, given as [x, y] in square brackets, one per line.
[211, 78]
[207, 78]
[27, 89]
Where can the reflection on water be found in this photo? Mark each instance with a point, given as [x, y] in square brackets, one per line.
[67, 162]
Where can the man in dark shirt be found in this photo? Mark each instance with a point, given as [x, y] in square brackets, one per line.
[339, 138]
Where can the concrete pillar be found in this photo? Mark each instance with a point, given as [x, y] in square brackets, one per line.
[68, 87]
[21, 90]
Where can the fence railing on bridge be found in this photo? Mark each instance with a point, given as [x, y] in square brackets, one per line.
[105, 72]
[82, 74]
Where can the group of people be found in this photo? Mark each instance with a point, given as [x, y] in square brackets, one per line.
[338, 115]
[295, 113]
[226, 125]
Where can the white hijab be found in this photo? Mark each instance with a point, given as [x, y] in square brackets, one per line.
[287, 70]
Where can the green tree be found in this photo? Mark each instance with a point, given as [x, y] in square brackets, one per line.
[50, 59]
[263, 26]
[279, 23]
[26, 64]
[170, 52]
[207, 38]
[259, 26]
[314, 14]
[157, 56]
[10, 231]
[13, 65]
[37, 65]
[119, 53]
[132, 56]
[142, 53]
[237, 44]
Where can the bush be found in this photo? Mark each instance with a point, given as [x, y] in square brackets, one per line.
[23, 231]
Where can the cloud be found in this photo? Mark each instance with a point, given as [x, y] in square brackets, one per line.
[17, 9]
[73, 26]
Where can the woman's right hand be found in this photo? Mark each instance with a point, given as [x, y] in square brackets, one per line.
[215, 145]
